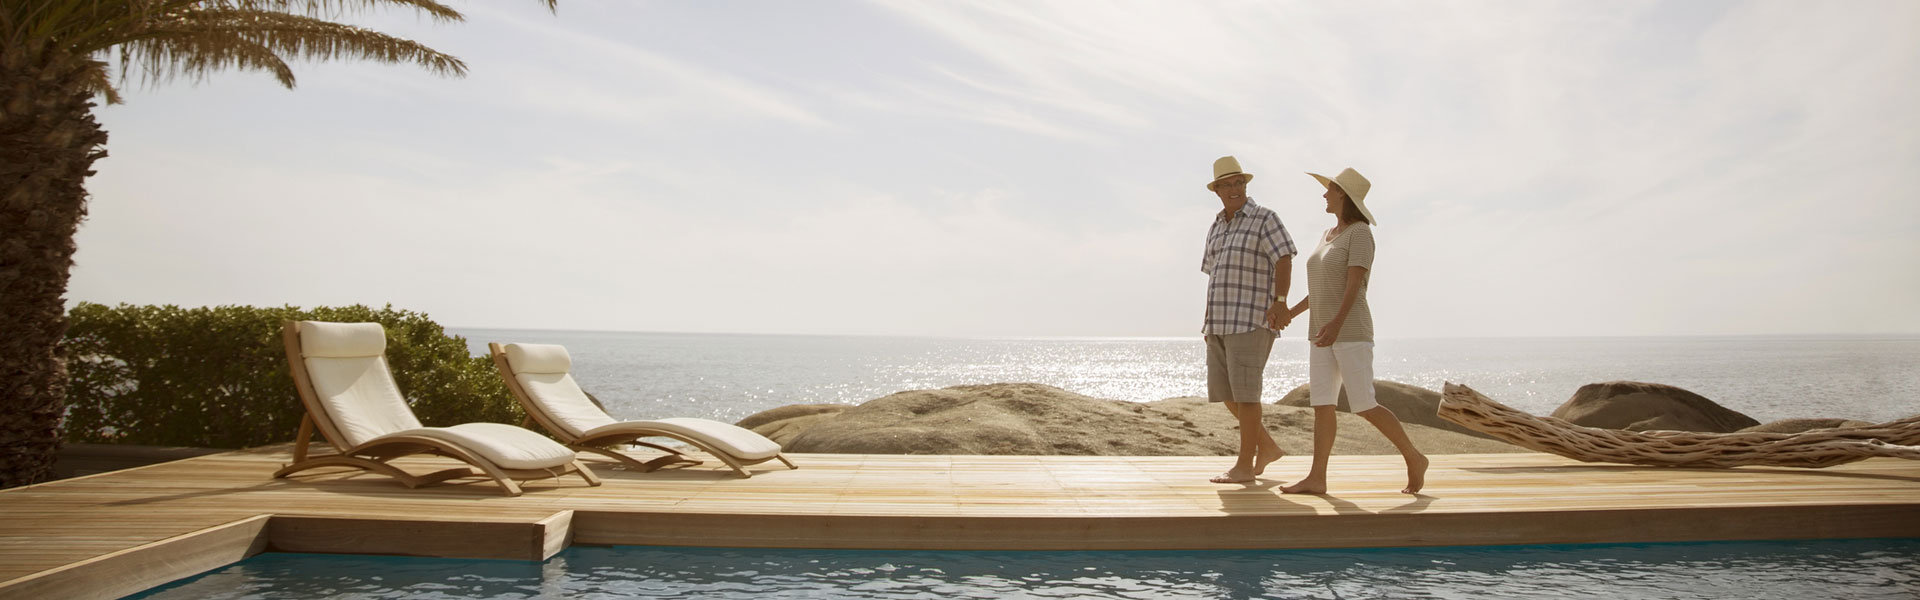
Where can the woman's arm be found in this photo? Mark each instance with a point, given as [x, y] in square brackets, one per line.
[1356, 279]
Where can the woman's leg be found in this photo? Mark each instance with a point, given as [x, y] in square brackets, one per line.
[1323, 392]
[1389, 425]
[1326, 428]
[1356, 365]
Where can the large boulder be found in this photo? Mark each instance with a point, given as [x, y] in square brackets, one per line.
[1292, 429]
[1005, 418]
[783, 423]
[1803, 425]
[1026, 418]
[1411, 403]
[1636, 406]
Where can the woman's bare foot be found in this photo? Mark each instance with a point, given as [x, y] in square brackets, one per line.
[1233, 475]
[1416, 474]
[1310, 485]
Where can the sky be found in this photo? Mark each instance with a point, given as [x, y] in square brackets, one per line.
[1023, 168]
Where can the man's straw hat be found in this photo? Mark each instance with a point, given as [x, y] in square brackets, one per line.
[1226, 167]
[1356, 186]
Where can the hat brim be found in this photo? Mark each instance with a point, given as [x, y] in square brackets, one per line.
[1362, 202]
[1216, 180]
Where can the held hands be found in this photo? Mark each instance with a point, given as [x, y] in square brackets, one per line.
[1278, 317]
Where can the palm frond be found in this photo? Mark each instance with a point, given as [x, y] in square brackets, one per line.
[89, 26]
[99, 83]
[196, 42]
[163, 57]
[330, 9]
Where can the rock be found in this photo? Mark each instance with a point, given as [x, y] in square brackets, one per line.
[1802, 425]
[783, 423]
[1411, 403]
[790, 411]
[1026, 418]
[1292, 429]
[992, 419]
[1636, 406]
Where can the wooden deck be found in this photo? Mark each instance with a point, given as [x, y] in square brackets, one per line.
[114, 533]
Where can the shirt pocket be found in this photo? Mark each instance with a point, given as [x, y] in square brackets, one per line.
[1242, 241]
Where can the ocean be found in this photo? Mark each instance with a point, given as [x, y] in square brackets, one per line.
[726, 376]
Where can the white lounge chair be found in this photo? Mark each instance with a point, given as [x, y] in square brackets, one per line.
[539, 376]
[340, 370]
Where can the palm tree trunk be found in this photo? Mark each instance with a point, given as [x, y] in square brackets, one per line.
[48, 142]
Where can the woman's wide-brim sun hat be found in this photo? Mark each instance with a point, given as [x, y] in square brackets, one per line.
[1226, 167]
[1355, 186]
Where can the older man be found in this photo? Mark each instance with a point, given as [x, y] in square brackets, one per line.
[1249, 266]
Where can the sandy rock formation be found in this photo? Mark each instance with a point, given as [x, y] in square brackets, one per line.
[783, 423]
[1026, 418]
[1411, 403]
[1636, 406]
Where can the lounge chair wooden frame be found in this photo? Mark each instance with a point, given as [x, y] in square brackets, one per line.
[606, 444]
[373, 455]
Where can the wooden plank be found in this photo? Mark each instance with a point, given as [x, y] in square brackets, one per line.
[970, 502]
[131, 570]
[555, 533]
[512, 540]
[1142, 532]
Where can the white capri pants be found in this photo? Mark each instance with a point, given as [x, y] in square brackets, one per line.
[1343, 362]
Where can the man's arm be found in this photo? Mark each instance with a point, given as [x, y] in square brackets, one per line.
[1277, 314]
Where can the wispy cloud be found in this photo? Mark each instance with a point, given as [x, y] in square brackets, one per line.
[619, 80]
[1549, 168]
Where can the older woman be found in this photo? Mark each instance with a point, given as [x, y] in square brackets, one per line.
[1342, 330]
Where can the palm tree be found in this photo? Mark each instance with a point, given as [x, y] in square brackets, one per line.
[56, 58]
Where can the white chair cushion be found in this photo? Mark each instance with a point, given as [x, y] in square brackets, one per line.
[319, 339]
[505, 445]
[360, 397]
[727, 438]
[539, 358]
[564, 402]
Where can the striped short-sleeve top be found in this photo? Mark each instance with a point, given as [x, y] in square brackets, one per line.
[1327, 282]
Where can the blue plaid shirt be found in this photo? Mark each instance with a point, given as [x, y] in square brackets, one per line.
[1239, 261]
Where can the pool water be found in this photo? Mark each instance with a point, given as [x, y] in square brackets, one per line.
[1786, 570]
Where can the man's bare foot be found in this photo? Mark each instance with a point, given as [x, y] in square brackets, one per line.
[1310, 485]
[1260, 464]
[1233, 475]
[1416, 474]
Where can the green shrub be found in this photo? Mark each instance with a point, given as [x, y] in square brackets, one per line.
[217, 377]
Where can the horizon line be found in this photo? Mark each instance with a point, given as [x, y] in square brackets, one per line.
[1892, 335]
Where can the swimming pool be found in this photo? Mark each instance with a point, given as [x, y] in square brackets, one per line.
[1785, 570]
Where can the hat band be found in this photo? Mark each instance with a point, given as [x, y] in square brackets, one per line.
[1228, 175]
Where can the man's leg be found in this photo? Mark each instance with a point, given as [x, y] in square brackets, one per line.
[1246, 361]
[1267, 450]
[1248, 415]
[1220, 389]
